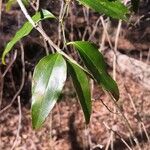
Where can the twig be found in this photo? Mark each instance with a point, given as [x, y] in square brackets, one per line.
[137, 115]
[26, 13]
[71, 23]
[19, 125]
[118, 136]
[115, 59]
[62, 21]
[40, 25]
[22, 82]
[87, 138]
[105, 31]
[46, 47]
[126, 122]
[108, 108]
[50, 41]
[86, 15]
[108, 142]
[10, 64]
[3, 75]
[94, 29]
[115, 49]
[59, 25]
[50, 118]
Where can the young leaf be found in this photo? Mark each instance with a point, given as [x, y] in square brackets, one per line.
[95, 63]
[82, 87]
[114, 9]
[48, 80]
[25, 30]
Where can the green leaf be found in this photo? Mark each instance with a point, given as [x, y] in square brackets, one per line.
[114, 9]
[10, 3]
[48, 80]
[135, 5]
[95, 63]
[82, 86]
[25, 30]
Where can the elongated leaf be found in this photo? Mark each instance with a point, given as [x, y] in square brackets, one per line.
[26, 29]
[82, 87]
[48, 80]
[114, 9]
[95, 63]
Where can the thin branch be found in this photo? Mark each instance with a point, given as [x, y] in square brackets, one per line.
[19, 125]
[115, 49]
[118, 136]
[126, 122]
[22, 82]
[3, 75]
[26, 13]
[48, 39]
[137, 115]
[10, 64]
[94, 29]
[108, 108]
[106, 32]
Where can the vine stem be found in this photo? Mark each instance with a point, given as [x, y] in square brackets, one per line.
[26, 13]
[47, 38]
[126, 122]
[36, 26]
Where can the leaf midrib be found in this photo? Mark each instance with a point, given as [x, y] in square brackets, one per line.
[90, 59]
[101, 72]
[87, 110]
[105, 8]
[46, 90]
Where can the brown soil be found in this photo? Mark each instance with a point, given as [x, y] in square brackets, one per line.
[67, 130]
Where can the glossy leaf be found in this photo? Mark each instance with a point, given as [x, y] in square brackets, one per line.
[114, 9]
[95, 63]
[25, 30]
[82, 86]
[48, 80]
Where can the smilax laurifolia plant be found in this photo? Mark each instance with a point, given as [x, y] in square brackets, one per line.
[51, 72]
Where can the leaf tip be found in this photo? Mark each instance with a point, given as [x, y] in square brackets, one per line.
[116, 94]
[87, 120]
[69, 43]
[3, 60]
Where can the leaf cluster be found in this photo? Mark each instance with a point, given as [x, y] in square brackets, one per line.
[51, 72]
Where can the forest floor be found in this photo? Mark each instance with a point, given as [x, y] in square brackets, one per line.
[65, 129]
